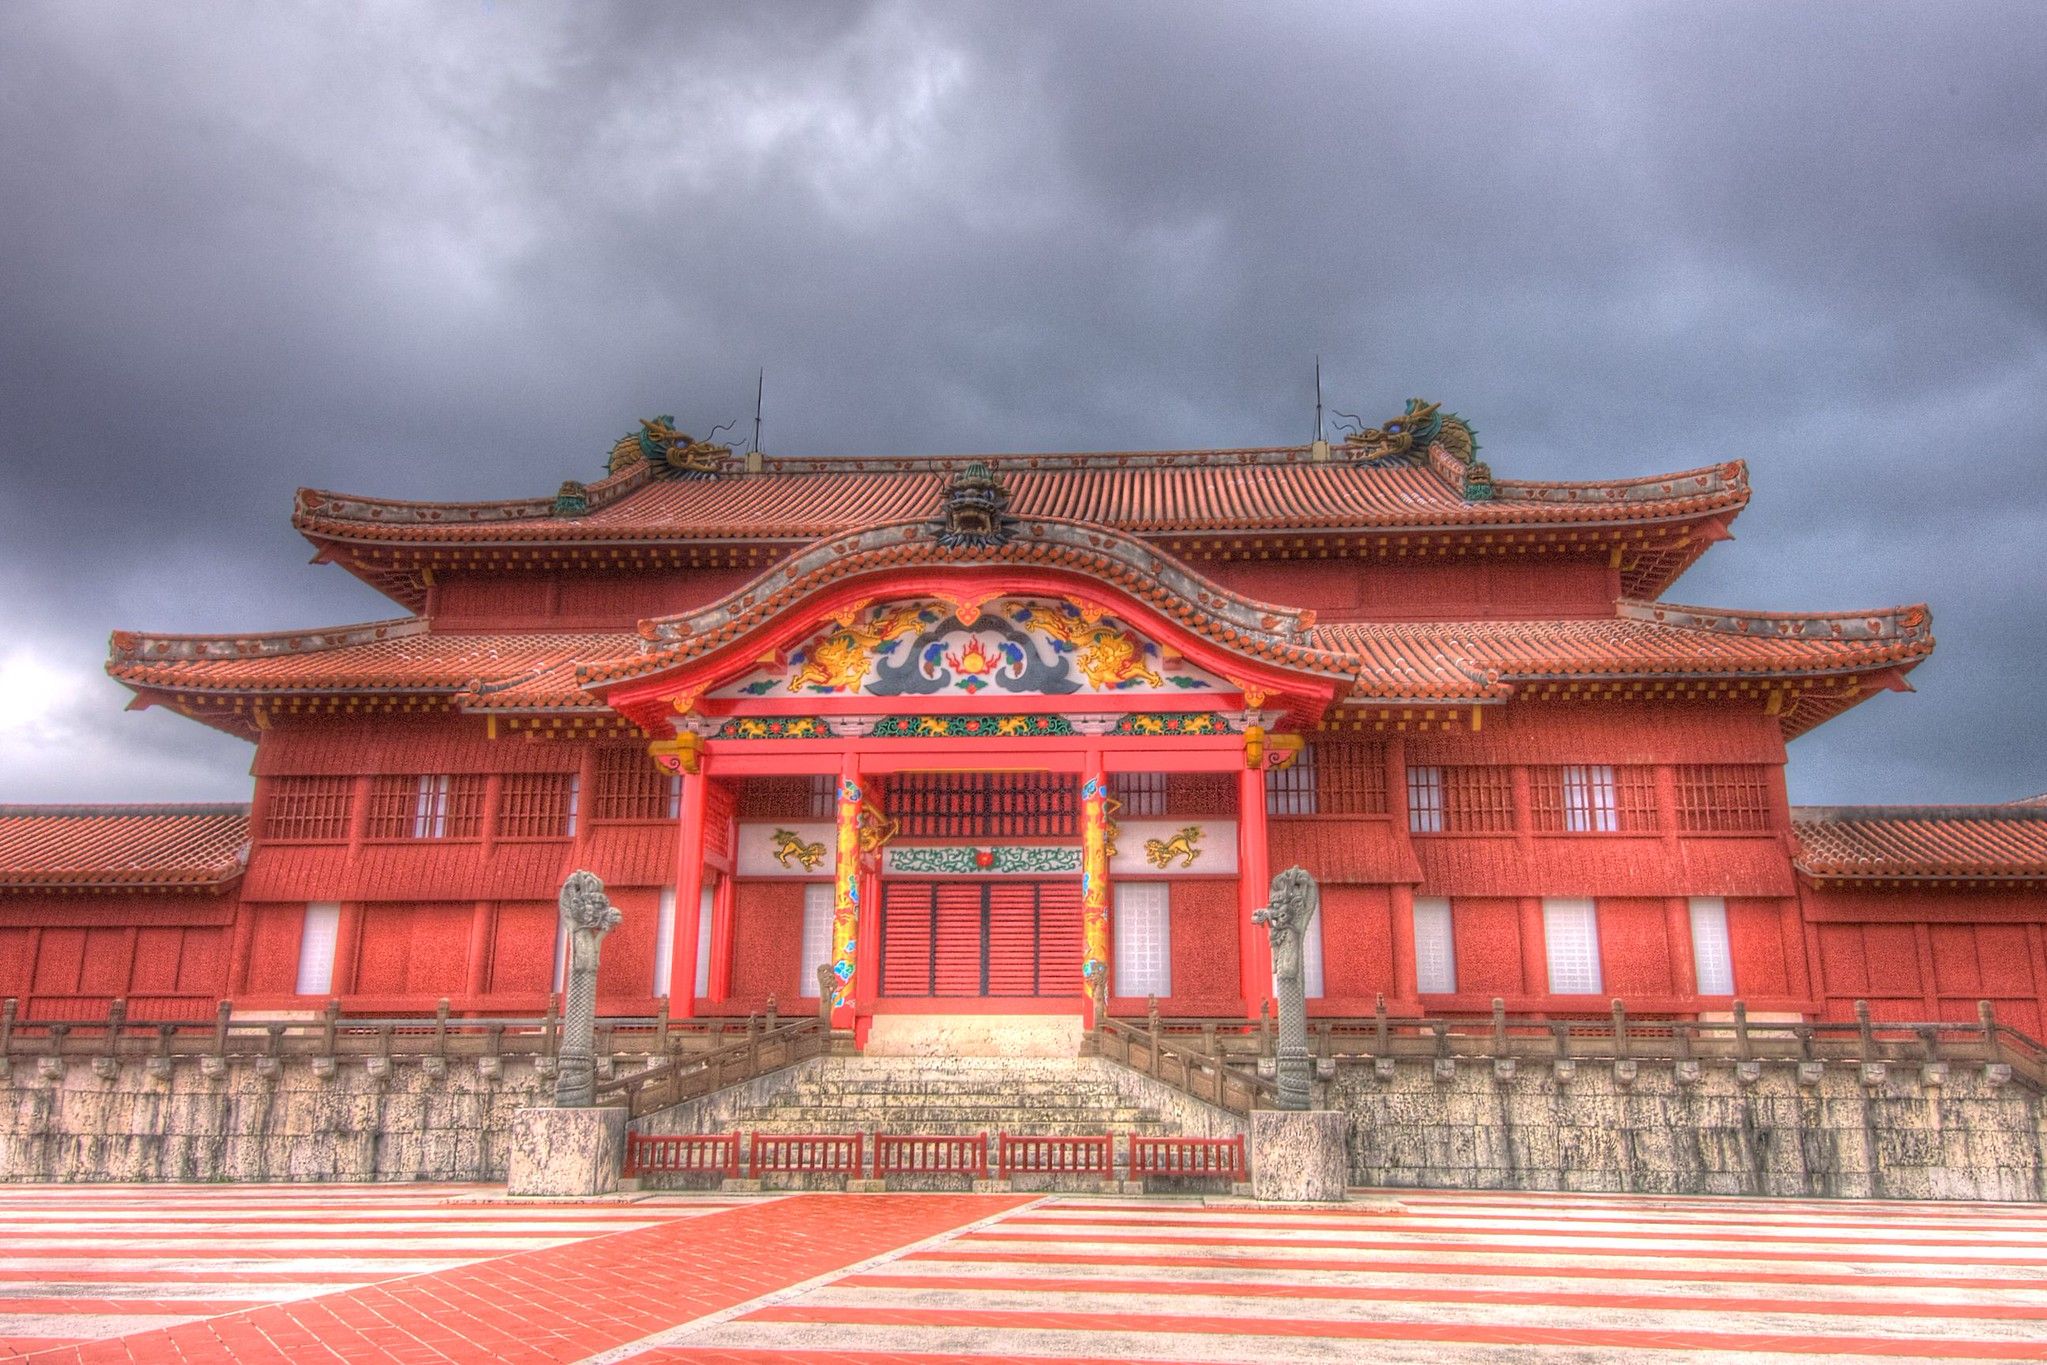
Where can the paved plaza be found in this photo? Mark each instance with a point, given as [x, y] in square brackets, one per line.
[453, 1273]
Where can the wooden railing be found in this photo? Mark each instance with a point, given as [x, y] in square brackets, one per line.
[675, 1079]
[682, 1154]
[930, 1154]
[114, 1034]
[1187, 1158]
[1030, 1154]
[806, 1154]
[1186, 1068]
[1217, 1059]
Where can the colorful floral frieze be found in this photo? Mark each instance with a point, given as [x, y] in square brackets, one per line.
[1020, 646]
[956, 861]
[970, 727]
[1173, 723]
[775, 727]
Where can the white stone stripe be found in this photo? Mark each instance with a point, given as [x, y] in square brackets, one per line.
[1773, 1228]
[189, 1291]
[129, 1263]
[1110, 1236]
[1589, 1280]
[1195, 1348]
[1645, 1318]
[493, 1231]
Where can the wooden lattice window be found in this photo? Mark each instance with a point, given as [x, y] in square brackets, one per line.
[984, 805]
[1463, 799]
[1723, 798]
[1141, 793]
[537, 805]
[1350, 777]
[1291, 790]
[307, 810]
[428, 806]
[777, 798]
[630, 788]
[1592, 798]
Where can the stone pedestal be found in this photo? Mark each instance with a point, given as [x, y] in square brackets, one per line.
[1300, 1157]
[566, 1151]
[974, 1035]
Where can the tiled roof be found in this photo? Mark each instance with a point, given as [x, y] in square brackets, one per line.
[1440, 659]
[1151, 493]
[1922, 843]
[1457, 661]
[106, 847]
[377, 657]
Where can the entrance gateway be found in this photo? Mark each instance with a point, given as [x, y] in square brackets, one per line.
[973, 730]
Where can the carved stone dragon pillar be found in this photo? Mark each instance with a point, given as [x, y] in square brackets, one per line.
[588, 916]
[1292, 907]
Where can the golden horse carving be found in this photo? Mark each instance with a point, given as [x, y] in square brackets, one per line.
[1185, 846]
[839, 660]
[789, 844]
[1107, 657]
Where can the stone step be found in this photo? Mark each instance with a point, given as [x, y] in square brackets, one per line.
[873, 1084]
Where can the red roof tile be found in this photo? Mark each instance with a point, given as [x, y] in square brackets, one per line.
[1149, 493]
[1459, 661]
[94, 847]
[1922, 843]
[1444, 659]
[380, 656]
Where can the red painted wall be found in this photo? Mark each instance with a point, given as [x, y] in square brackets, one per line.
[1443, 590]
[767, 946]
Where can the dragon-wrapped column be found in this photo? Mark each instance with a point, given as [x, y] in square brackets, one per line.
[1094, 889]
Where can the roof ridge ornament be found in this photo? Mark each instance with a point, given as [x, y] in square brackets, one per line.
[1447, 442]
[669, 452]
[974, 512]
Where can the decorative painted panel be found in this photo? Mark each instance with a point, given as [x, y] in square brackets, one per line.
[1021, 646]
[1156, 848]
[988, 860]
[786, 848]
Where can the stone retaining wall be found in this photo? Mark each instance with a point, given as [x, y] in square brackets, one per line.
[293, 1118]
[1897, 1132]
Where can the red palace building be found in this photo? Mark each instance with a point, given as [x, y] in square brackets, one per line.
[1028, 735]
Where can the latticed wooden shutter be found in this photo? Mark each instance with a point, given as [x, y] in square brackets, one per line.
[1059, 938]
[906, 938]
[956, 963]
[1012, 938]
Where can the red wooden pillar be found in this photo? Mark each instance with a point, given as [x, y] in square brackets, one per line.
[850, 914]
[1684, 972]
[1534, 947]
[1254, 884]
[689, 894]
[479, 951]
[1405, 997]
[721, 939]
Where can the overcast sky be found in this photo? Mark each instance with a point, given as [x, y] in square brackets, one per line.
[454, 250]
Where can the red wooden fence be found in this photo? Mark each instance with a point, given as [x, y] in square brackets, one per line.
[805, 1153]
[1095, 1156]
[930, 1154]
[1187, 1158]
[686, 1153]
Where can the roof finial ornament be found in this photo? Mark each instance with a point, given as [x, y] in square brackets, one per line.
[671, 453]
[975, 511]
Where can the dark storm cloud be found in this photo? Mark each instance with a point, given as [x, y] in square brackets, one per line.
[451, 251]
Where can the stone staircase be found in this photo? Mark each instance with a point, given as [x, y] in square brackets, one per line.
[1033, 1096]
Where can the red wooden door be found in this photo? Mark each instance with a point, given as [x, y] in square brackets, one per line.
[967, 939]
